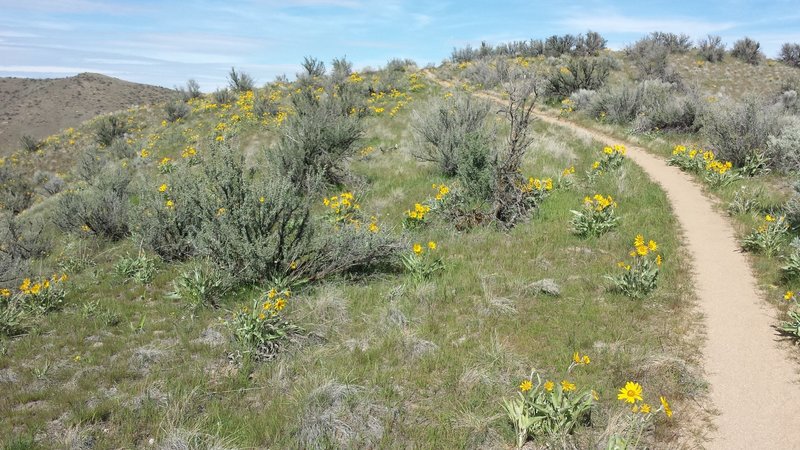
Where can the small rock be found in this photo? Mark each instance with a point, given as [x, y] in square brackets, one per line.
[546, 286]
[8, 376]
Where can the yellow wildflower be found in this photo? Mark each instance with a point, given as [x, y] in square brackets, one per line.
[665, 404]
[432, 245]
[280, 304]
[417, 249]
[645, 409]
[566, 386]
[162, 188]
[788, 295]
[525, 386]
[548, 386]
[631, 393]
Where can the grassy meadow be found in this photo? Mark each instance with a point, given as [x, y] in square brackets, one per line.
[384, 360]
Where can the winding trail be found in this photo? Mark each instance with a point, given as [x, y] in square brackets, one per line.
[753, 379]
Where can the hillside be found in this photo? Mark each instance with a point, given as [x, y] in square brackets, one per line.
[41, 107]
[407, 258]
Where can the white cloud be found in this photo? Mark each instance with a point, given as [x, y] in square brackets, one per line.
[120, 62]
[52, 69]
[605, 22]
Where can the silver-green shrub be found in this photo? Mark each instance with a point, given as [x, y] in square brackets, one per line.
[575, 74]
[240, 81]
[16, 189]
[783, 148]
[790, 54]
[317, 141]
[747, 50]
[738, 130]
[110, 128]
[711, 48]
[176, 110]
[443, 127]
[100, 208]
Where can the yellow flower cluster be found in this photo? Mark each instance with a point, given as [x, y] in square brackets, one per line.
[617, 148]
[599, 203]
[355, 78]
[366, 151]
[274, 302]
[642, 249]
[419, 249]
[342, 205]
[632, 393]
[568, 171]
[538, 185]
[188, 152]
[29, 287]
[441, 191]
[419, 212]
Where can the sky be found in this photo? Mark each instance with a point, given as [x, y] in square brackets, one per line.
[165, 42]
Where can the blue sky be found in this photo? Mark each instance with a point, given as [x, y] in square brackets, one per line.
[166, 42]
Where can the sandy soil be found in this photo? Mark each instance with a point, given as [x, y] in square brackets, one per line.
[755, 386]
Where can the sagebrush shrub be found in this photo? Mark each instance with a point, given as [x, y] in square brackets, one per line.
[16, 189]
[22, 237]
[109, 128]
[484, 74]
[313, 67]
[790, 54]
[250, 227]
[559, 45]
[100, 208]
[176, 110]
[317, 141]
[191, 91]
[240, 81]
[649, 57]
[711, 48]
[444, 126]
[738, 130]
[653, 103]
[476, 166]
[783, 148]
[29, 143]
[577, 73]
[590, 45]
[674, 43]
[224, 96]
[89, 165]
[21, 240]
[747, 50]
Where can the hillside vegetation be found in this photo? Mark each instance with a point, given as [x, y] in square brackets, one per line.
[391, 258]
[40, 108]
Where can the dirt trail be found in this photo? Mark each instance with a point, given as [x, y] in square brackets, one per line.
[754, 383]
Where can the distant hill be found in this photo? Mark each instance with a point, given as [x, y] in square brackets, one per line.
[41, 107]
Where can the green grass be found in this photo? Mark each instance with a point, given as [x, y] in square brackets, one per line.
[390, 363]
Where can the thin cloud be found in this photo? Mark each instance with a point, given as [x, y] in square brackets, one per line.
[617, 23]
[52, 69]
